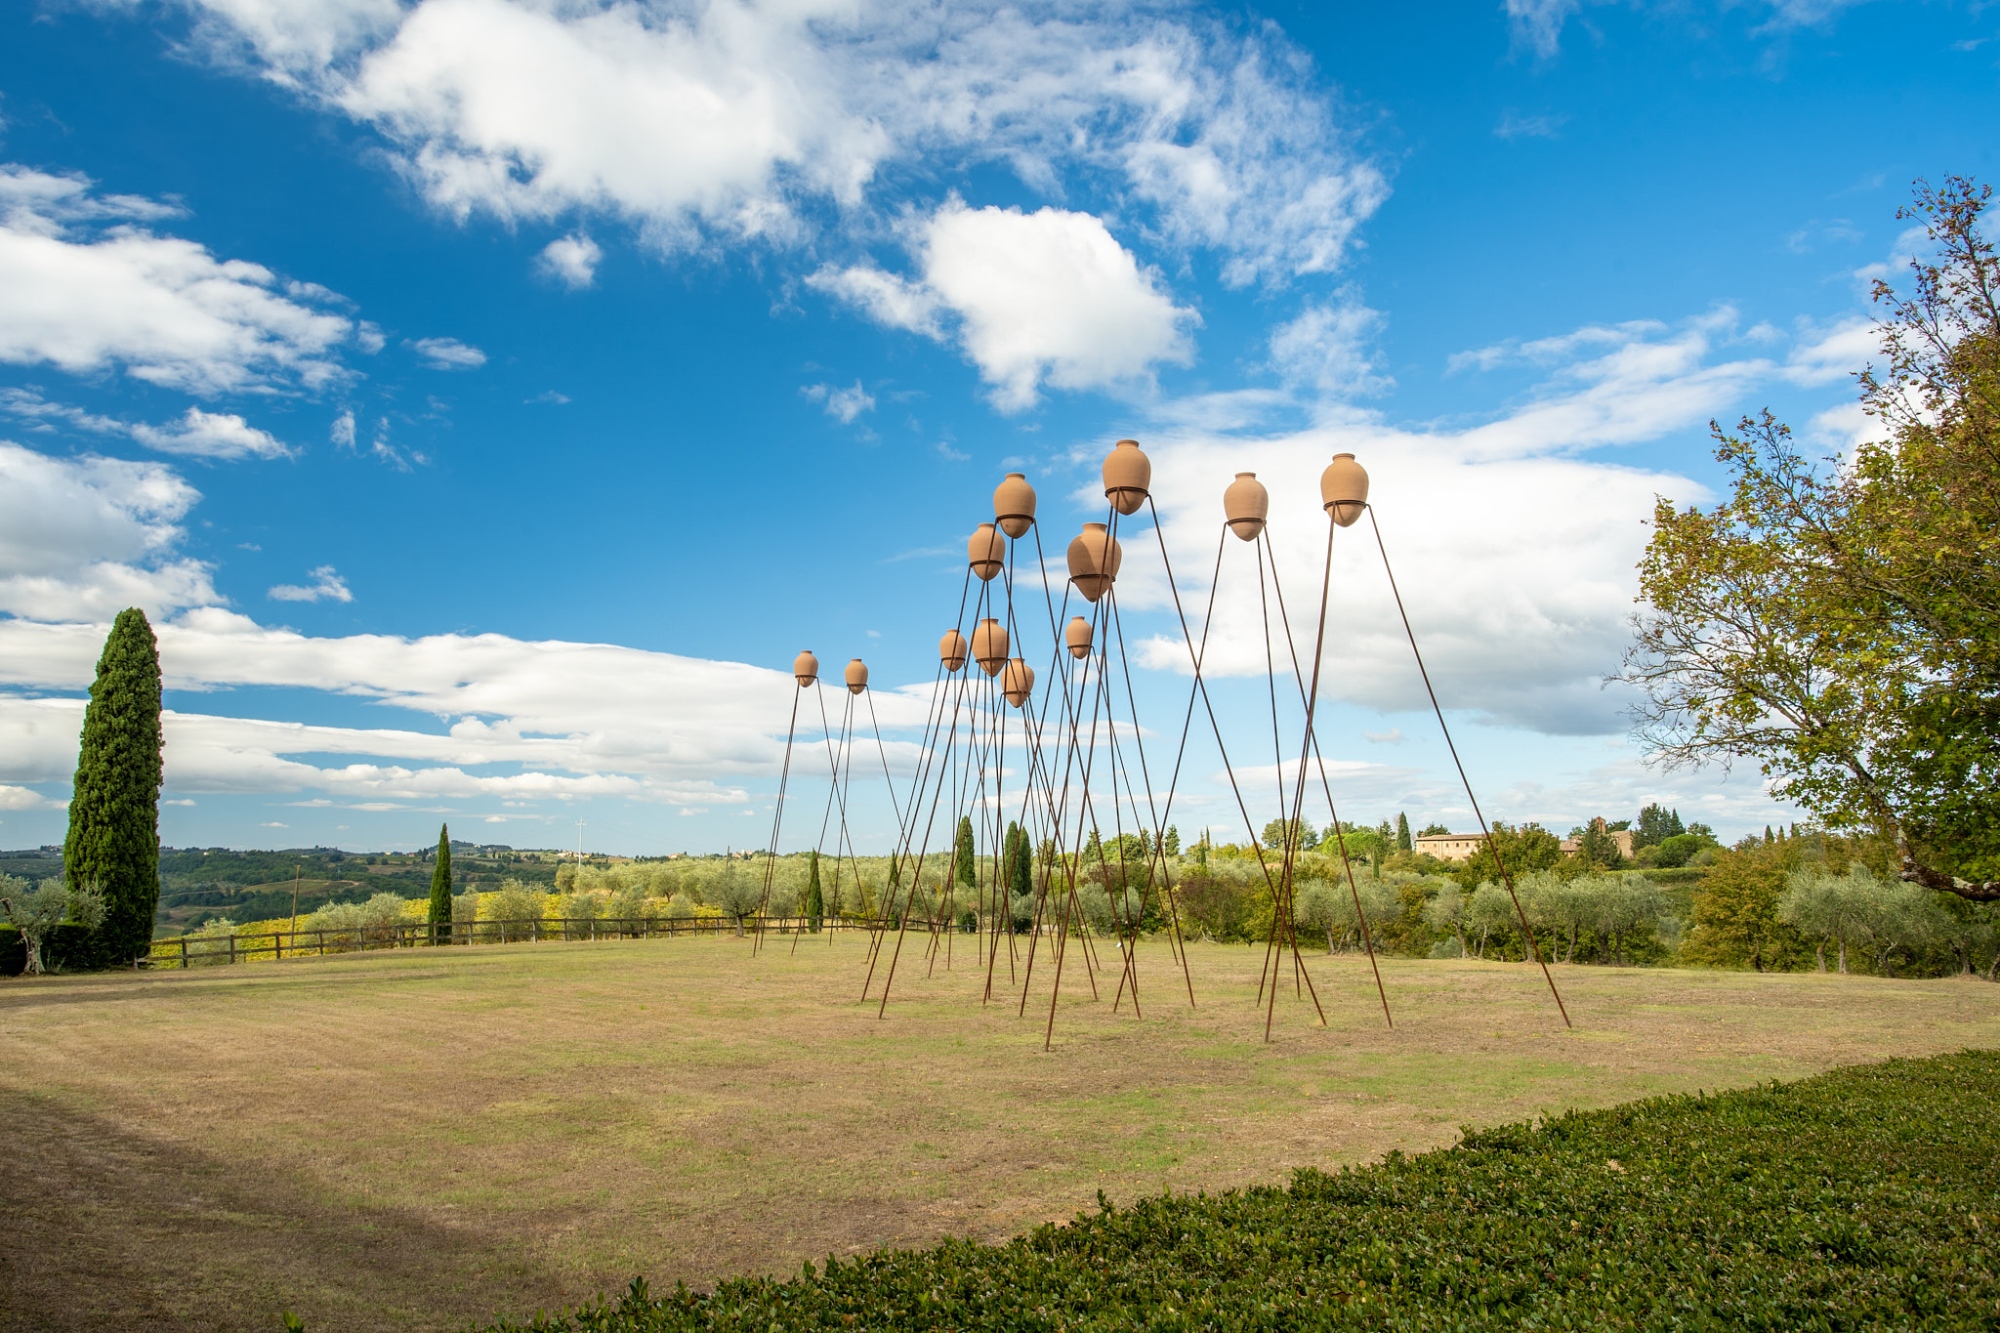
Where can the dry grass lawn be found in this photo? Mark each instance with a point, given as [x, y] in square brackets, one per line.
[425, 1139]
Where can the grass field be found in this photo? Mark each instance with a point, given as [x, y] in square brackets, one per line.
[425, 1139]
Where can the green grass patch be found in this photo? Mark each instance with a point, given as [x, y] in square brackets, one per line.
[1864, 1198]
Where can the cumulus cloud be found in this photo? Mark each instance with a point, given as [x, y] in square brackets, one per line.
[163, 309]
[1515, 548]
[1048, 296]
[566, 719]
[448, 354]
[571, 260]
[726, 120]
[326, 586]
[80, 539]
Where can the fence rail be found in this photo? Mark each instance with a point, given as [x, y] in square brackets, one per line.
[205, 950]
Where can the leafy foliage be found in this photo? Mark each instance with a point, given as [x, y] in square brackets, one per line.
[114, 810]
[440, 901]
[1840, 625]
[1863, 1198]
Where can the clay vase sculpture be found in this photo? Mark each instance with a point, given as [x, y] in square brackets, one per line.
[857, 676]
[1094, 558]
[1128, 476]
[1343, 488]
[951, 650]
[1018, 682]
[806, 667]
[989, 646]
[1077, 635]
[1245, 504]
[1014, 505]
[986, 551]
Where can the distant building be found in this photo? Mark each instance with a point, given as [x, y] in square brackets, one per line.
[1450, 846]
[1621, 836]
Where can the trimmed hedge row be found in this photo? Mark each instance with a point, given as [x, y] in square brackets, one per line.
[1864, 1198]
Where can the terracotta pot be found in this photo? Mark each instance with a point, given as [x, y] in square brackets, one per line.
[1077, 635]
[1343, 488]
[857, 676]
[1128, 476]
[1014, 505]
[1094, 558]
[989, 646]
[1018, 682]
[1245, 504]
[806, 667]
[986, 551]
[951, 650]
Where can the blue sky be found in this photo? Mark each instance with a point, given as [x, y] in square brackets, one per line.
[488, 398]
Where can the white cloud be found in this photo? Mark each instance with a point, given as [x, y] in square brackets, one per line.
[20, 798]
[572, 261]
[327, 586]
[164, 309]
[1329, 349]
[843, 405]
[883, 297]
[213, 435]
[729, 120]
[1043, 296]
[202, 434]
[449, 354]
[84, 538]
[1538, 24]
[563, 719]
[1516, 553]
[342, 432]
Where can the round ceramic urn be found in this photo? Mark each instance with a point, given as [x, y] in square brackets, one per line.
[1077, 635]
[951, 650]
[1343, 489]
[1094, 558]
[1128, 476]
[806, 667]
[989, 646]
[1014, 505]
[1245, 504]
[857, 676]
[986, 551]
[1017, 682]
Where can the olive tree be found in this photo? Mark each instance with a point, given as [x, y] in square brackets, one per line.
[37, 911]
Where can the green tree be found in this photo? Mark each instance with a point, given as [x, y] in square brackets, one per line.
[965, 863]
[440, 905]
[1656, 825]
[37, 911]
[815, 899]
[1403, 842]
[1524, 850]
[1171, 842]
[114, 809]
[1596, 847]
[1735, 911]
[1839, 625]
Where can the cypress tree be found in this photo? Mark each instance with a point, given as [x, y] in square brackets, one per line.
[1403, 843]
[815, 899]
[965, 868]
[440, 914]
[114, 808]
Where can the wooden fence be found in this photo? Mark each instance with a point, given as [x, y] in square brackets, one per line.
[203, 950]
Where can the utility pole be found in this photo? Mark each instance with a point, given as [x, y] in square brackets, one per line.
[296, 873]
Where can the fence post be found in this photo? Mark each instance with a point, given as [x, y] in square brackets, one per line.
[184, 951]
[232, 946]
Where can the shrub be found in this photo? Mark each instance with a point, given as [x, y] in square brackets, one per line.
[1859, 1199]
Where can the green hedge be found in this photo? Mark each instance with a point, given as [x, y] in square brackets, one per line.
[1865, 1198]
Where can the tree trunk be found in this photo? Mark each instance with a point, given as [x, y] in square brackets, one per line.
[1329, 937]
[1819, 952]
[1843, 956]
[32, 944]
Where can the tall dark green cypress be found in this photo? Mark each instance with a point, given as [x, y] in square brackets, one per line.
[815, 897]
[440, 914]
[114, 806]
[965, 868]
